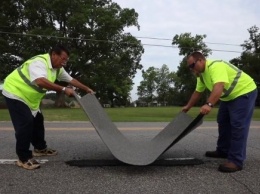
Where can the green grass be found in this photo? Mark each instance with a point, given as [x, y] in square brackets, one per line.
[140, 114]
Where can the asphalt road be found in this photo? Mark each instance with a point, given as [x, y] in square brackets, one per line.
[79, 141]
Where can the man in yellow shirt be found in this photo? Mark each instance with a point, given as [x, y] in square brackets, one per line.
[237, 94]
[24, 89]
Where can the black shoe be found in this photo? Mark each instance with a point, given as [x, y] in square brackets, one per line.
[215, 154]
[229, 167]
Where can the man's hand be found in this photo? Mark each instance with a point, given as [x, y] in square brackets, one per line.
[69, 92]
[205, 109]
[90, 91]
[185, 108]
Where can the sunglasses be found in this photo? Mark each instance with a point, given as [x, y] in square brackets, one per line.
[191, 66]
[65, 59]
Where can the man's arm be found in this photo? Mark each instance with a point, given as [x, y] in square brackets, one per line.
[193, 100]
[79, 85]
[38, 74]
[44, 83]
[213, 98]
[216, 93]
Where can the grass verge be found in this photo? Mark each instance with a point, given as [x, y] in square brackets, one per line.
[131, 114]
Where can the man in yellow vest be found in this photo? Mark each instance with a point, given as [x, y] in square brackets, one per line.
[237, 94]
[24, 89]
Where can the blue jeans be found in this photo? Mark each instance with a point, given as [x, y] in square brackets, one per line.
[234, 119]
[28, 129]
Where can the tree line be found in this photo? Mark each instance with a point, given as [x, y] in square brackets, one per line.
[160, 86]
[103, 56]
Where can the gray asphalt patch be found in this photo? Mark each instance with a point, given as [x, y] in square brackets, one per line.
[132, 152]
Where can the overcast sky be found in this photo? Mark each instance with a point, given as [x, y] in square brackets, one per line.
[222, 21]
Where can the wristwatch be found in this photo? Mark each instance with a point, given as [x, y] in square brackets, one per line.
[209, 104]
[63, 89]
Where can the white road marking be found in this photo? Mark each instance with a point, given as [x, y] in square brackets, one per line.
[92, 128]
[171, 159]
[120, 128]
[12, 161]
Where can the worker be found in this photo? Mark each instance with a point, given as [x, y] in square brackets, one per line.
[237, 93]
[24, 89]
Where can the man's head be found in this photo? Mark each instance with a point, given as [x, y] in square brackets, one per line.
[196, 62]
[59, 56]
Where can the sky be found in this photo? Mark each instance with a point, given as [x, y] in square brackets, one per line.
[223, 22]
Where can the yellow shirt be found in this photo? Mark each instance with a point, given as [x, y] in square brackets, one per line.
[236, 82]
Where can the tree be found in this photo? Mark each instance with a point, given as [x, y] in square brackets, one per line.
[250, 58]
[165, 83]
[91, 29]
[185, 81]
[147, 87]
[156, 85]
[9, 15]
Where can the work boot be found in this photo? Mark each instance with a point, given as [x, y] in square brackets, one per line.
[229, 167]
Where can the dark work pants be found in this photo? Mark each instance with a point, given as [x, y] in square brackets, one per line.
[28, 129]
[234, 119]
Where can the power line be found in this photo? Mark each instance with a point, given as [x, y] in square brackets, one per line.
[156, 38]
[109, 41]
[153, 38]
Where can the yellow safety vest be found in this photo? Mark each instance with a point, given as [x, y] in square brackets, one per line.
[236, 82]
[18, 82]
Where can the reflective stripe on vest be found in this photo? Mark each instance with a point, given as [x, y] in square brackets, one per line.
[28, 82]
[234, 83]
[228, 91]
